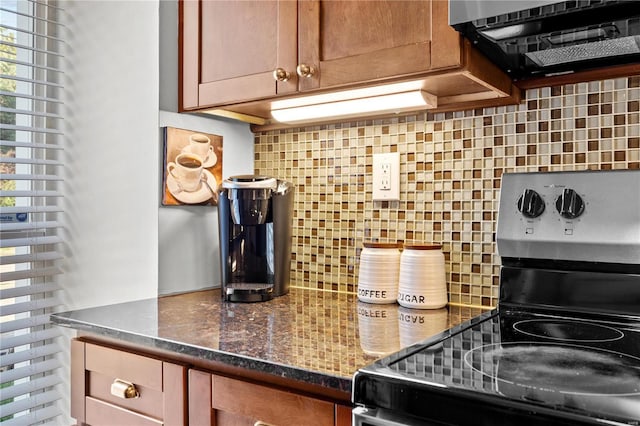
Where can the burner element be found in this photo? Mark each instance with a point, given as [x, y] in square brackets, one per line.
[555, 368]
[568, 330]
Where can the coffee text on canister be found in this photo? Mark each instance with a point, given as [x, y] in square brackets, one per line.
[376, 294]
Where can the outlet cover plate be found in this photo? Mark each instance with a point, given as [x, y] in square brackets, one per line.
[386, 176]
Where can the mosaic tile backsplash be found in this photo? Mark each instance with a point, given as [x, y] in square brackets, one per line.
[450, 169]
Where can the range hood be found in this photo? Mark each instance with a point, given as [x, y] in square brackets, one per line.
[538, 38]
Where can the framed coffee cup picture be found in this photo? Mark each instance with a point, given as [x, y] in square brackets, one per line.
[192, 167]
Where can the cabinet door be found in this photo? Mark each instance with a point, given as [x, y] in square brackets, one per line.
[362, 41]
[230, 49]
[222, 401]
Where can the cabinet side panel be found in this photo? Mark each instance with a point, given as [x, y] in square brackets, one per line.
[78, 382]
[174, 384]
[287, 45]
[446, 43]
[200, 411]
[343, 415]
[189, 46]
[309, 41]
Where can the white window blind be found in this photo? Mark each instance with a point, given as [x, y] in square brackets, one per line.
[30, 247]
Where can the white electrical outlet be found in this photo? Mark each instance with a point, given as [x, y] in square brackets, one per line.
[386, 177]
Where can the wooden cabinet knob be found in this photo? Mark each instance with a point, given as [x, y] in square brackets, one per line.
[280, 74]
[305, 70]
[124, 390]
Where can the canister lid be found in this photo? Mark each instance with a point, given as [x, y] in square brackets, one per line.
[370, 244]
[250, 182]
[422, 247]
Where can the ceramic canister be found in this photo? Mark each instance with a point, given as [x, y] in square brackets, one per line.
[422, 282]
[378, 274]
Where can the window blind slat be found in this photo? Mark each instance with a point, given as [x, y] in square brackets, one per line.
[30, 49]
[21, 144]
[34, 305]
[28, 387]
[30, 194]
[30, 80]
[31, 129]
[28, 225]
[10, 359]
[27, 112]
[31, 209]
[31, 257]
[20, 324]
[33, 417]
[32, 97]
[11, 160]
[29, 403]
[25, 31]
[31, 65]
[29, 241]
[29, 370]
[27, 290]
[31, 15]
[26, 339]
[29, 273]
[30, 177]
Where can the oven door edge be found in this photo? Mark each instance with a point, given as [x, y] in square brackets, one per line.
[363, 416]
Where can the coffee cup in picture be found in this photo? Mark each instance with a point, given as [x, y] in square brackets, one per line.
[186, 170]
[200, 144]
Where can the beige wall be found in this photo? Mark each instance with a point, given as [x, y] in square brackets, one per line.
[451, 165]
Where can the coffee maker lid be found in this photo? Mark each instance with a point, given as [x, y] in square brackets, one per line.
[250, 182]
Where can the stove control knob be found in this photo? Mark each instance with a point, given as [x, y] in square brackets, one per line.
[530, 204]
[569, 204]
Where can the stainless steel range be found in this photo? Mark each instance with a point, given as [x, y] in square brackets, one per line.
[563, 345]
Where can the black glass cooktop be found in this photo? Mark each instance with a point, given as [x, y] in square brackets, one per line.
[515, 366]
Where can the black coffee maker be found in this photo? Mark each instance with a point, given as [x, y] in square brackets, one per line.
[255, 216]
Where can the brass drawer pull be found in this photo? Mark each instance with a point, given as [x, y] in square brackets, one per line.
[260, 423]
[124, 390]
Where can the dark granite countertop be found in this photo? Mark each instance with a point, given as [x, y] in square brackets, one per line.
[317, 337]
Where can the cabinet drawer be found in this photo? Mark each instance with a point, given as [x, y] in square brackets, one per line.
[124, 365]
[268, 405]
[105, 365]
[99, 413]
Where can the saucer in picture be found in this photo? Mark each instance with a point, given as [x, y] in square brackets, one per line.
[200, 195]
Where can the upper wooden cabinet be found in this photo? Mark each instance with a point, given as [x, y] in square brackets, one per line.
[230, 50]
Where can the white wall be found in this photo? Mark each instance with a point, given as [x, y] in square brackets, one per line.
[121, 244]
[188, 235]
[111, 157]
[111, 151]
[188, 252]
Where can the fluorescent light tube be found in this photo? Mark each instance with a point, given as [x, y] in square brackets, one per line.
[347, 108]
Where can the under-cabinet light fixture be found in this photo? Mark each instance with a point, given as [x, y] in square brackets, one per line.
[352, 103]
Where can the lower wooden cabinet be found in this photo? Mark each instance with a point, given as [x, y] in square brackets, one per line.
[112, 386]
[221, 401]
